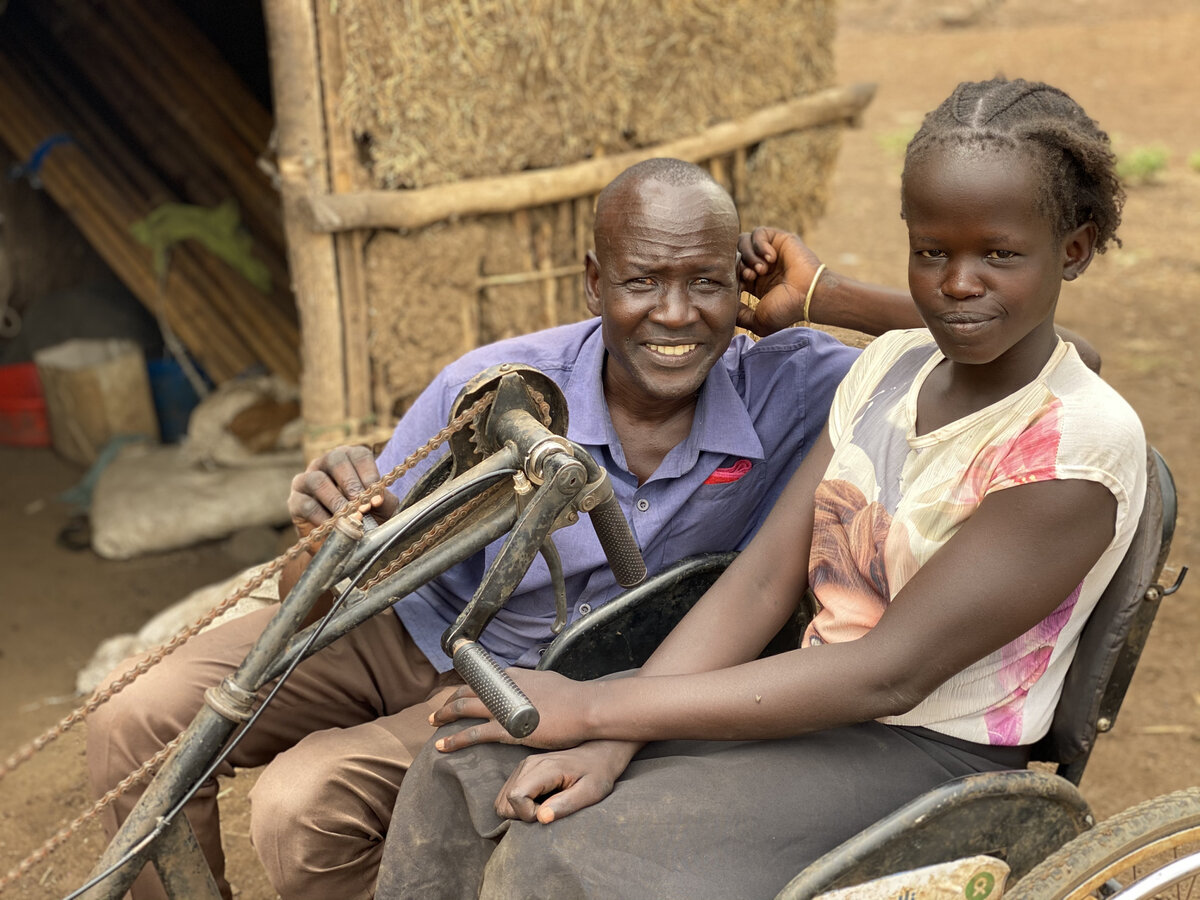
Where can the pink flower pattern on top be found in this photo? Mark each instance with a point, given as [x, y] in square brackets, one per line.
[1023, 662]
[1029, 456]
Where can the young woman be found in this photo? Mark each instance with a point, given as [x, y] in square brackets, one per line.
[974, 490]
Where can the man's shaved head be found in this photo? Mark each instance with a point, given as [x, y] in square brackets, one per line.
[612, 203]
[665, 170]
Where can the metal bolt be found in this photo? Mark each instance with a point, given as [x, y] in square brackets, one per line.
[1104, 723]
[1153, 594]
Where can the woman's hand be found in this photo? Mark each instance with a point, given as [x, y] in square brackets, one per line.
[561, 704]
[548, 786]
[777, 268]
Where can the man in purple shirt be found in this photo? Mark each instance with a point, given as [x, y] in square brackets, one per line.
[698, 429]
[756, 413]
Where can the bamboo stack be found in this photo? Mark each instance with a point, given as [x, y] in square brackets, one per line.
[183, 129]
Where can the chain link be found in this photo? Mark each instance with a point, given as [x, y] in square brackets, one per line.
[147, 768]
[435, 534]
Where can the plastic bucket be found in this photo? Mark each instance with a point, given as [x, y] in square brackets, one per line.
[23, 421]
[174, 398]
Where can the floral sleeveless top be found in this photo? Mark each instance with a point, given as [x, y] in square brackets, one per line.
[890, 499]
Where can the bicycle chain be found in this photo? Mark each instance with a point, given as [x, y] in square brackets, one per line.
[432, 536]
[102, 696]
[64, 834]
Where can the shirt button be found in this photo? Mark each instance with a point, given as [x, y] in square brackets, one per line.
[585, 608]
[643, 505]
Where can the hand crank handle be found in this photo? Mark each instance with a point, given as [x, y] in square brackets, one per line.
[612, 528]
[499, 693]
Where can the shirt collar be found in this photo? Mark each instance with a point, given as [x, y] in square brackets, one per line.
[588, 421]
[722, 423]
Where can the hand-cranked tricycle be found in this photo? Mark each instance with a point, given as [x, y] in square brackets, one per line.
[511, 473]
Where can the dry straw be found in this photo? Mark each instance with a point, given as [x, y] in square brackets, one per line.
[436, 92]
[468, 88]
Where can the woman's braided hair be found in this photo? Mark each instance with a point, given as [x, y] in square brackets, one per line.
[1078, 180]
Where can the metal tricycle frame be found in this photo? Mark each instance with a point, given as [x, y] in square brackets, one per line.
[520, 441]
[1020, 816]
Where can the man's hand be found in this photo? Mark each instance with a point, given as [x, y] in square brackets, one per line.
[777, 268]
[548, 786]
[329, 482]
[560, 703]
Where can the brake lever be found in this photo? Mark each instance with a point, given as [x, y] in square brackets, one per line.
[554, 563]
[522, 488]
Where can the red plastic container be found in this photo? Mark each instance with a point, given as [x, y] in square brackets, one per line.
[22, 407]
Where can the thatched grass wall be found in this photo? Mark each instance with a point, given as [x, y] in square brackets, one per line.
[439, 91]
[431, 93]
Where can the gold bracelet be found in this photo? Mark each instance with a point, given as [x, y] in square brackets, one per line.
[812, 287]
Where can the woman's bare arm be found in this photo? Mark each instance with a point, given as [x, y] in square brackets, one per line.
[1010, 565]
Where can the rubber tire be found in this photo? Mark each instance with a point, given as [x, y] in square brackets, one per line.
[1169, 824]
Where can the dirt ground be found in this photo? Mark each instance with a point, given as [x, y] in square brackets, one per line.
[1130, 69]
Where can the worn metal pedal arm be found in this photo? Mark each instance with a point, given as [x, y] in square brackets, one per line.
[567, 477]
[512, 561]
[362, 605]
[208, 733]
[569, 480]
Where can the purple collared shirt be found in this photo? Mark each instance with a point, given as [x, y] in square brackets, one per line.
[759, 411]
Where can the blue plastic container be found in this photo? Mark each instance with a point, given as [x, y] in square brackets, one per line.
[174, 398]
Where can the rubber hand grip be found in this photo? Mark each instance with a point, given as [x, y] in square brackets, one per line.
[499, 693]
[624, 557]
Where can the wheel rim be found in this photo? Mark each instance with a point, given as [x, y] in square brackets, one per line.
[1127, 871]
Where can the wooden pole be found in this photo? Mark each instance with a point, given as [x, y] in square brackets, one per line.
[171, 113]
[105, 186]
[540, 274]
[346, 174]
[544, 246]
[303, 171]
[199, 61]
[417, 208]
[582, 207]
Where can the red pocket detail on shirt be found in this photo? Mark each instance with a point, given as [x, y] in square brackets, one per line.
[729, 474]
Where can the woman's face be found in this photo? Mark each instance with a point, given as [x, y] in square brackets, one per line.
[985, 267]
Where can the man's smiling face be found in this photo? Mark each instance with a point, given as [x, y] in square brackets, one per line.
[664, 280]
